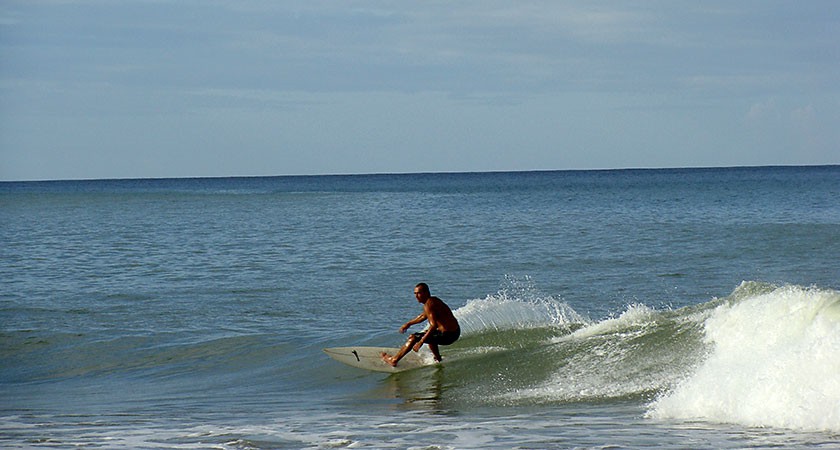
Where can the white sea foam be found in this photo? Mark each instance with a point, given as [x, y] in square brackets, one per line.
[774, 361]
[505, 312]
[635, 315]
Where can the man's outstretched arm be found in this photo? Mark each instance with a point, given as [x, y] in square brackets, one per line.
[414, 321]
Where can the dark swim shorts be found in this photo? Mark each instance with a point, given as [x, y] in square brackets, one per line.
[440, 338]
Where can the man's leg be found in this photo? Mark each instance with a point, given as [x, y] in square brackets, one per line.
[435, 351]
[393, 360]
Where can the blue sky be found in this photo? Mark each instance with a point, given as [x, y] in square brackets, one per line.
[182, 88]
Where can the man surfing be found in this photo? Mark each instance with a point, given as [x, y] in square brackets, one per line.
[443, 327]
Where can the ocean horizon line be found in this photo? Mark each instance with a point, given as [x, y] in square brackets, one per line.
[455, 172]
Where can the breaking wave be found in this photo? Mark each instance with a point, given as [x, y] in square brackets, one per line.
[774, 361]
[763, 356]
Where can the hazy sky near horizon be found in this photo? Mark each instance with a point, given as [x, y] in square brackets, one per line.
[184, 88]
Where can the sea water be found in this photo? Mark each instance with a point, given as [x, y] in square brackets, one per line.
[690, 308]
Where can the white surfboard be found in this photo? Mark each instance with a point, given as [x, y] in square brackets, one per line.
[370, 358]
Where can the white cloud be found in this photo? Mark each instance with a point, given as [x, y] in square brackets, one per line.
[764, 111]
[803, 115]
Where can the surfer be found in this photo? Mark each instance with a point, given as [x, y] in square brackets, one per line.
[443, 327]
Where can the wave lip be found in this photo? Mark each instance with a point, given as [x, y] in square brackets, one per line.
[774, 361]
[519, 308]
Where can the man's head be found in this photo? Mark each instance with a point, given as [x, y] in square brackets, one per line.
[421, 292]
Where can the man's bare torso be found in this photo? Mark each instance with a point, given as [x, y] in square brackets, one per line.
[439, 315]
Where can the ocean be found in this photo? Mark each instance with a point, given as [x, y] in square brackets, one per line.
[666, 308]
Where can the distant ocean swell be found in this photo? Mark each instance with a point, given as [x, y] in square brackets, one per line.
[763, 356]
[78, 355]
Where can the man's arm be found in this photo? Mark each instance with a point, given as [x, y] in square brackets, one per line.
[422, 340]
[414, 321]
[429, 313]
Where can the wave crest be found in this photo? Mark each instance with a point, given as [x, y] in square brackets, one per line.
[774, 361]
[518, 306]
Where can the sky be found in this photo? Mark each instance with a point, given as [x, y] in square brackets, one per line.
[204, 88]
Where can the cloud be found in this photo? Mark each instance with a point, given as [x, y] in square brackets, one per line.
[460, 48]
[803, 115]
[807, 133]
[763, 111]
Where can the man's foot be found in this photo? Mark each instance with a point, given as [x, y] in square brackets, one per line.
[389, 359]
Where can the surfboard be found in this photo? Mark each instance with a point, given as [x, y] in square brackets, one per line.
[370, 358]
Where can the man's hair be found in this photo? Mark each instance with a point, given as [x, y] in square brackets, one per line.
[423, 286]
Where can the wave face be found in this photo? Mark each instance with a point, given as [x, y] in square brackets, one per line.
[522, 348]
[763, 356]
[774, 361]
